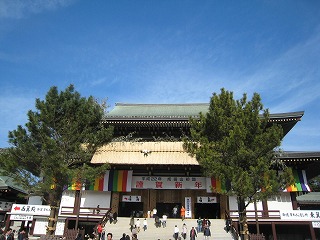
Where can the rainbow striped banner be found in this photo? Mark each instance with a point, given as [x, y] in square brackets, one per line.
[113, 180]
[75, 186]
[215, 185]
[300, 182]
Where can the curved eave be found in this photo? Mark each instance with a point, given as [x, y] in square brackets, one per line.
[309, 161]
[300, 156]
[276, 117]
[286, 120]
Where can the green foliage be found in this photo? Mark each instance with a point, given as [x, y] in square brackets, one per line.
[315, 184]
[57, 143]
[232, 142]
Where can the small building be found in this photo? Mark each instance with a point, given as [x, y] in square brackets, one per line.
[10, 193]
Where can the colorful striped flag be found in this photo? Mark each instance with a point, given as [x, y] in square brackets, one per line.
[113, 180]
[75, 186]
[215, 185]
[300, 182]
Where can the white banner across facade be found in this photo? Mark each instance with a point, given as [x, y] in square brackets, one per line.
[300, 215]
[159, 182]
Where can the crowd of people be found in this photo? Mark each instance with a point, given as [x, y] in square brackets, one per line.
[203, 226]
[136, 225]
[9, 234]
[193, 233]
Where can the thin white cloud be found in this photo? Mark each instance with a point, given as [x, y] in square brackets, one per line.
[291, 76]
[21, 8]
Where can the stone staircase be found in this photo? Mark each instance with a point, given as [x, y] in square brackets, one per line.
[154, 233]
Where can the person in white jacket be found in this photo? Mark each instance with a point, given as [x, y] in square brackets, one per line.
[145, 224]
[176, 232]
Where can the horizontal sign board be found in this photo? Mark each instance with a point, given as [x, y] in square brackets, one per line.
[206, 199]
[300, 215]
[130, 198]
[160, 182]
[18, 217]
[26, 209]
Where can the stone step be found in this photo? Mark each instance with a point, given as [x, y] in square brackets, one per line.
[154, 233]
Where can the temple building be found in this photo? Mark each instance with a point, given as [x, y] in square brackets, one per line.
[149, 169]
[148, 145]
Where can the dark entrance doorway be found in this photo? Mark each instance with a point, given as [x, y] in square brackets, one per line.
[129, 209]
[167, 208]
[207, 210]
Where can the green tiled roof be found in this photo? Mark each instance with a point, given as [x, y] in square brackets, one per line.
[309, 198]
[7, 182]
[175, 111]
[123, 110]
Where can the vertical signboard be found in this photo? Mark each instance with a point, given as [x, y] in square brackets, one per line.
[188, 207]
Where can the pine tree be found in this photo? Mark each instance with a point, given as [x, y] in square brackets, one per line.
[56, 146]
[235, 142]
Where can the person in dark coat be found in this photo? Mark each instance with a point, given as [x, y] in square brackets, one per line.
[9, 234]
[2, 236]
[115, 217]
[123, 237]
[193, 233]
[206, 232]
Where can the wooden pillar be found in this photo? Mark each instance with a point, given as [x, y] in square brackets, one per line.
[293, 196]
[115, 196]
[152, 199]
[223, 206]
[313, 235]
[145, 199]
[274, 232]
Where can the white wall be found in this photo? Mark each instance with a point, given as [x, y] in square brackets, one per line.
[279, 202]
[40, 226]
[89, 199]
[67, 200]
[94, 198]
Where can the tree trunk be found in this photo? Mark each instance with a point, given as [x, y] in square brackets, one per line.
[52, 220]
[244, 233]
[54, 201]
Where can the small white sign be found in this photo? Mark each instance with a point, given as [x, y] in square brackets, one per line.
[130, 198]
[300, 215]
[19, 217]
[206, 199]
[35, 210]
[188, 204]
[316, 224]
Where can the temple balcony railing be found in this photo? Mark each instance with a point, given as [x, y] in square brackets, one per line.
[261, 215]
[84, 212]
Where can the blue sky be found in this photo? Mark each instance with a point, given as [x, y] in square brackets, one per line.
[163, 51]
